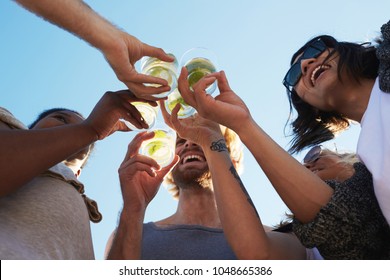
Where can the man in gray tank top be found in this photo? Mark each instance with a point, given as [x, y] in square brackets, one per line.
[194, 231]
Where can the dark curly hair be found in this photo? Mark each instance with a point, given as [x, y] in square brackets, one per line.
[313, 126]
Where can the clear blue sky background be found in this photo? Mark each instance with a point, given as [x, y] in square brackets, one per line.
[43, 66]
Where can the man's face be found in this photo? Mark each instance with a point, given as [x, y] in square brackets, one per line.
[192, 167]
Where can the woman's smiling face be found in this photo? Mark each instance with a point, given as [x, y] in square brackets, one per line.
[319, 84]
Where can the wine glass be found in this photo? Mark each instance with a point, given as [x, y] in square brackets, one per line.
[161, 69]
[199, 63]
[162, 147]
[148, 113]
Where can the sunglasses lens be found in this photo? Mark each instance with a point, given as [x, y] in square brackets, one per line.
[314, 50]
[312, 155]
[294, 74]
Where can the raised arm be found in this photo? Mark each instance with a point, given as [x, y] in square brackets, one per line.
[241, 223]
[119, 48]
[27, 153]
[302, 191]
[140, 179]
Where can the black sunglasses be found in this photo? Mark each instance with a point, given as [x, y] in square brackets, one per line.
[313, 154]
[293, 75]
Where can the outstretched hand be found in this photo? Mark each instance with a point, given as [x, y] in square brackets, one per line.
[141, 176]
[104, 118]
[227, 108]
[122, 59]
[195, 128]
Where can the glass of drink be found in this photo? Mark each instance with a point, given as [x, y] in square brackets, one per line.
[199, 63]
[162, 147]
[157, 68]
[148, 112]
[175, 98]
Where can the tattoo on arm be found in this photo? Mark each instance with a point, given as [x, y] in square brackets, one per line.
[237, 177]
[219, 146]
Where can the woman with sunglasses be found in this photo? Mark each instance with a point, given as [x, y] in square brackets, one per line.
[307, 196]
[332, 83]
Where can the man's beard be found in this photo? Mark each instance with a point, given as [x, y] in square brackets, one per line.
[192, 178]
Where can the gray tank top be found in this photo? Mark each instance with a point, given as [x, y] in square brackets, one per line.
[184, 242]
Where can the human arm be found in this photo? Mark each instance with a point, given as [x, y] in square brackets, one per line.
[27, 153]
[240, 218]
[240, 221]
[120, 49]
[302, 191]
[140, 179]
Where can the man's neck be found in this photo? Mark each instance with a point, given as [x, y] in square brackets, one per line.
[195, 207]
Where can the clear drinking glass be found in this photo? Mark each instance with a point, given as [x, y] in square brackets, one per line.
[199, 63]
[175, 98]
[148, 112]
[157, 68]
[162, 147]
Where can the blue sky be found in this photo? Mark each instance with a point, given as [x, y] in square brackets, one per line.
[43, 67]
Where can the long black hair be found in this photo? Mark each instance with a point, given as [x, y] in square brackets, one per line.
[313, 126]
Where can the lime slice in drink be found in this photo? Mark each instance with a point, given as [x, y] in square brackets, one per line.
[161, 72]
[195, 76]
[173, 103]
[159, 134]
[154, 146]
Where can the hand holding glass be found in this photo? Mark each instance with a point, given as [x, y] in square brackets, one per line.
[162, 147]
[175, 98]
[199, 63]
[161, 69]
[148, 112]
